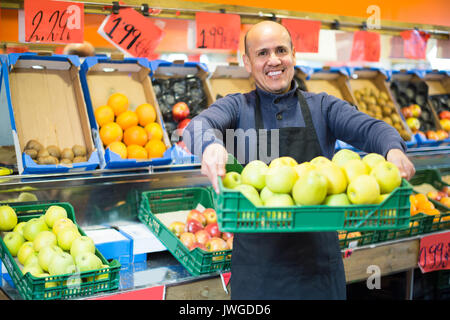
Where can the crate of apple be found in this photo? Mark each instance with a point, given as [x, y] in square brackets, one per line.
[49, 257]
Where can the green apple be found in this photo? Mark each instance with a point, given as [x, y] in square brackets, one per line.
[87, 261]
[304, 167]
[13, 241]
[53, 214]
[19, 227]
[387, 175]
[337, 181]
[33, 268]
[364, 189]
[231, 180]
[382, 197]
[354, 168]
[24, 252]
[372, 159]
[32, 259]
[283, 161]
[66, 236]
[8, 218]
[74, 280]
[82, 244]
[43, 239]
[33, 227]
[46, 254]
[319, 159]
[279, 200]
[60, 264]
[281, 179]
[254, 174]
[104, 276]
[265, 194]
[310, 189]
[61, 224]
[342, 156]
[250, 193]
[48, 283]
[340, 199]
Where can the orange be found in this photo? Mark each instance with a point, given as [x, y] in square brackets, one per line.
[118, 147]
[119, 103]
[104, 115]
[127, 119]
[154, 131]
[146, 114]
[136, 152]
[110, 132]
[155, 148]
[135, 135]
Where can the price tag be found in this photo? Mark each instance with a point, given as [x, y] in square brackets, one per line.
[434, 252]
[366, 46]
[218, 30]
[131, 33]
[414, 44]
[304, 34]
[46, 21]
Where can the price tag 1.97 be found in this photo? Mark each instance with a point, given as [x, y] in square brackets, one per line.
[218, 30]
[131, 33]
[434, 252]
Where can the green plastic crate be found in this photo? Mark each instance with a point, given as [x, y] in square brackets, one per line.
[196, 261]
[34, 288]
[366, 238]
[420, 223]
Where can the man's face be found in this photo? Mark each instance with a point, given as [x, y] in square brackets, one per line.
[270, 58]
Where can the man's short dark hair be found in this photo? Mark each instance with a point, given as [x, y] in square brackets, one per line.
[245, 38]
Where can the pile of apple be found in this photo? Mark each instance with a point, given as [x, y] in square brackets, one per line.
[442, 196]
[50, 245]
[200, 230]
[346, 179]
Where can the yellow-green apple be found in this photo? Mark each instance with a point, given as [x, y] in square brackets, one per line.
[60, 264]
[87, 261]
[304, 167]
[372, 159]
[388, 176]
[340, 199]
[24, 252]
[319, 159]
[8, 218]
[202, 236]
[194, 214]
[193, 226]
[265, 194]
[281, 179]
[279, 200]
[74, 280]
[33, 227]
[254, 174]
[216, 244]
[53, 214]
[230, 243]
[43, 239]
[32, 259]
[188, 239]
[310, 189]
[364, 189]
[227, 235]
[34, 269]
[62, 223]
[19, 227]
[354, 168]
[82, 244]
[382, 197]
[103, 276]
[49, 283]
[13, 241]
[250, 193]
[337, 181]
[231, 180]
[283, 161]
[210, 214]
[342, 156]
[198, 245]
[46, 255]
[213, 230]
[66, 236]
[177, 227]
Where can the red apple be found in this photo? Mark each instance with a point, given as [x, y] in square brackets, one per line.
[227, 235]
[196, 215]
[180, 111]
[210, 215]
[442, 134]
[188, 239]
[444, 115]
[446, 189]
[416, 110]
[213, 230]
[407, 112]
[230, 243]
[177, 228]
[198, 245]
[193, 226]
[183, 124]
[436, 195]
[432, 135]
[216, 244]
[202, 236]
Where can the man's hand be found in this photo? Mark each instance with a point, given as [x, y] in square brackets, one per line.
[401, 160]
[214, 159]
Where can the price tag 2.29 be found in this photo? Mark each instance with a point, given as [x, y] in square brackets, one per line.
[434, 252]
[218, 30]
[131, 32]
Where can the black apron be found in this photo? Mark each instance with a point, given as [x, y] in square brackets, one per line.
[301, 265]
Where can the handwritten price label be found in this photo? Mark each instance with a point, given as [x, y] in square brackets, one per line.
[131, 32]
[366, 46]
[52, 22]
[414, 44]
[304, 34]
[434, 252]
[218, 30]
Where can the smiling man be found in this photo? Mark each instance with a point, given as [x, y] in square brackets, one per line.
[303, 125]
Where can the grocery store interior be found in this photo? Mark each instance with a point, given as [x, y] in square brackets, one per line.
[94, 98]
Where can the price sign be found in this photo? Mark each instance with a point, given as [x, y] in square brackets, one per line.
[304, 34]
[366, 46]
[434, 252]
[46, 21]
[218, 30]
[131, 33]
[414, 44]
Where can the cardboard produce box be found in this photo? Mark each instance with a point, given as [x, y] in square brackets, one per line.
[101, 77]
[229, 79]
[46, 104]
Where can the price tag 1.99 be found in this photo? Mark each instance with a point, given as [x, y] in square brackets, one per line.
[47, 21]
[434, 252]
[218, 30]
[131, 33]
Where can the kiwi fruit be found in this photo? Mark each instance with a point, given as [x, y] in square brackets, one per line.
[34, 144]
[54, 151]
[383, 95]
[388, 121]
[67, 153]
[387, 111]
[43, 153]
[79, 151]
[65, 161]
[396, 118]
[405, 135]
[79, 159]
[48, 160]
[32, 153]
